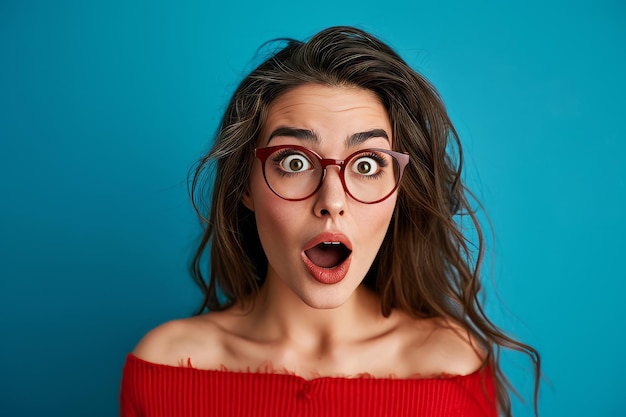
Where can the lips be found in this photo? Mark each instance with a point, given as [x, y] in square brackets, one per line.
[327, 257]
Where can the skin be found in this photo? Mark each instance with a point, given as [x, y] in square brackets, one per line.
[299, 325]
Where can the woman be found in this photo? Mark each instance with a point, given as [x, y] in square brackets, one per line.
[340, 280]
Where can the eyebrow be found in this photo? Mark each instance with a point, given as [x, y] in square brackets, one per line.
[361, 137]
[311, 136]
[303, 134]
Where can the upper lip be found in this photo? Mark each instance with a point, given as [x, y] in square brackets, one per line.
[328, 237]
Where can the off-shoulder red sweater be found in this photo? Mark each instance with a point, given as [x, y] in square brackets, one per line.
[151, 390]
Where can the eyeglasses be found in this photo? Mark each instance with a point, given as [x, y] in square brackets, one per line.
[295, 173]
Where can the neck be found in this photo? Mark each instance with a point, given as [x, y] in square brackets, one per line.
[279, 315]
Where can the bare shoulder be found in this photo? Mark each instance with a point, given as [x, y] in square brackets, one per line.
[199, 339]
[441, 346]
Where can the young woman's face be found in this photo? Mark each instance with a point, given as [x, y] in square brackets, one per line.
[320, 248]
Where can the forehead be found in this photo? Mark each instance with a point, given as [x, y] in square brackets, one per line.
[327, 110]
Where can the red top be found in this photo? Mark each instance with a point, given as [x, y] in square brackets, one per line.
[150, 390]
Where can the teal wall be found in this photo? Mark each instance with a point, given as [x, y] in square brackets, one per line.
[104, 105]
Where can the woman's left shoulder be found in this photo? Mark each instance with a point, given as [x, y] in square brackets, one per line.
[440, 346]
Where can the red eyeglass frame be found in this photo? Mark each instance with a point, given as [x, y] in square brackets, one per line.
[402, 159]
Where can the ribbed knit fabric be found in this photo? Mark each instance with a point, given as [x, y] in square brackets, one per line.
[151, 390]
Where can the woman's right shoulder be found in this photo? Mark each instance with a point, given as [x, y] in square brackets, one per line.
[176, 342]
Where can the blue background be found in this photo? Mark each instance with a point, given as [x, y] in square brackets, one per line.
[104, 106]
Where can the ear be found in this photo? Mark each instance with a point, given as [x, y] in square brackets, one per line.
[247, 200]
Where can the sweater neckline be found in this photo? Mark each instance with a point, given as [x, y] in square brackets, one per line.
[269, 371]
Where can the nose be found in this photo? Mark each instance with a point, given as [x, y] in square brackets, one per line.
[330, 200]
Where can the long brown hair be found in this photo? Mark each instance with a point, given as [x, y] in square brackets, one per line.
[426, 266]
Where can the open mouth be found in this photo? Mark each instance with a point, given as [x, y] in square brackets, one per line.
[328, 255]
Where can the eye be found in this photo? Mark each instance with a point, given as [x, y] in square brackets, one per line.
[365, 165]
[295, 163]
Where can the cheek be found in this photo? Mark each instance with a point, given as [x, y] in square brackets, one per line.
[272, 217]
[378, 217]
[276, 218]
[381, 213]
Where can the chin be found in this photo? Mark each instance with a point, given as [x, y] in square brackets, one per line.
[325, 304]
[329, 298]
